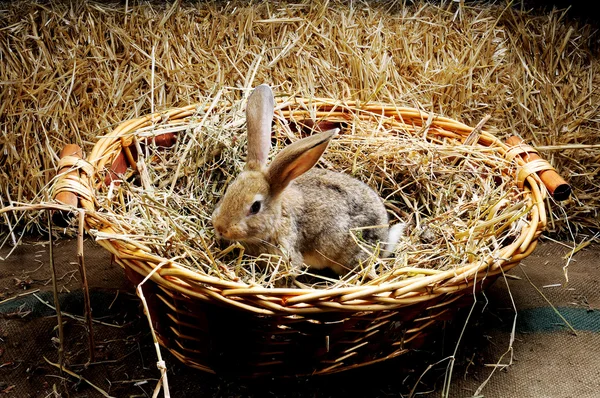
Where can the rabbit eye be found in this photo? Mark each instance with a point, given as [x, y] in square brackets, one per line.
[255, 208]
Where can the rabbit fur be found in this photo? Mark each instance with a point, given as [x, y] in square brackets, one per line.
[288, 207]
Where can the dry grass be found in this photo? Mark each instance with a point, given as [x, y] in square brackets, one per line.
[70, 72]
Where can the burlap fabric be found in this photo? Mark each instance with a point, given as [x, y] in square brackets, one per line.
[547, 359]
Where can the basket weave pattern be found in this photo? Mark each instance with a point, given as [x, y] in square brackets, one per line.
[230, 327]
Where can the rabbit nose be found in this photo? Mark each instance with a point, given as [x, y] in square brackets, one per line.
[223, 231]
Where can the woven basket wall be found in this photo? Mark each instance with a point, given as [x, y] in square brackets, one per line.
[226, 327]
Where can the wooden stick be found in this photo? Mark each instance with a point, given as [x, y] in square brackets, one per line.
[84, 286]
[556, 185]
[128, 154]
[61, 335]
[117, 168]
[166, 140]
[66, 197]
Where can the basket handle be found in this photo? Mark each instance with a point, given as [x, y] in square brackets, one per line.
[556, 185]
[72, 152]
[70, 156]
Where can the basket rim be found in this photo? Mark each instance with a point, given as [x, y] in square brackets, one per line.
[171, 275]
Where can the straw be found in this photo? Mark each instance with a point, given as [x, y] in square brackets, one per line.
[70, 71]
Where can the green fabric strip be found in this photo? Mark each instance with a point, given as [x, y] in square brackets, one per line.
[544, 319]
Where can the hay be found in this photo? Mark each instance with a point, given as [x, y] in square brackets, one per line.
[460, 198]
[70, 71]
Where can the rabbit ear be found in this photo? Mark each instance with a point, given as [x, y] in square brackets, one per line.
[296, 159]
[259, 116]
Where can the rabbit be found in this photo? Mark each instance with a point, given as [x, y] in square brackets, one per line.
[288, 204]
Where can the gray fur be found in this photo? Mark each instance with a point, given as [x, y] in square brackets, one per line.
[339, 204]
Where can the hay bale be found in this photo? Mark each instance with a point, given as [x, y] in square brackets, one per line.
[71, 71]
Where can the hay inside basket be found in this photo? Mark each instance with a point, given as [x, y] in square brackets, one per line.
[216, 310]
[461, 200]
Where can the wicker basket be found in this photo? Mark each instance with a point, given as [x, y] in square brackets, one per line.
[225, 327]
